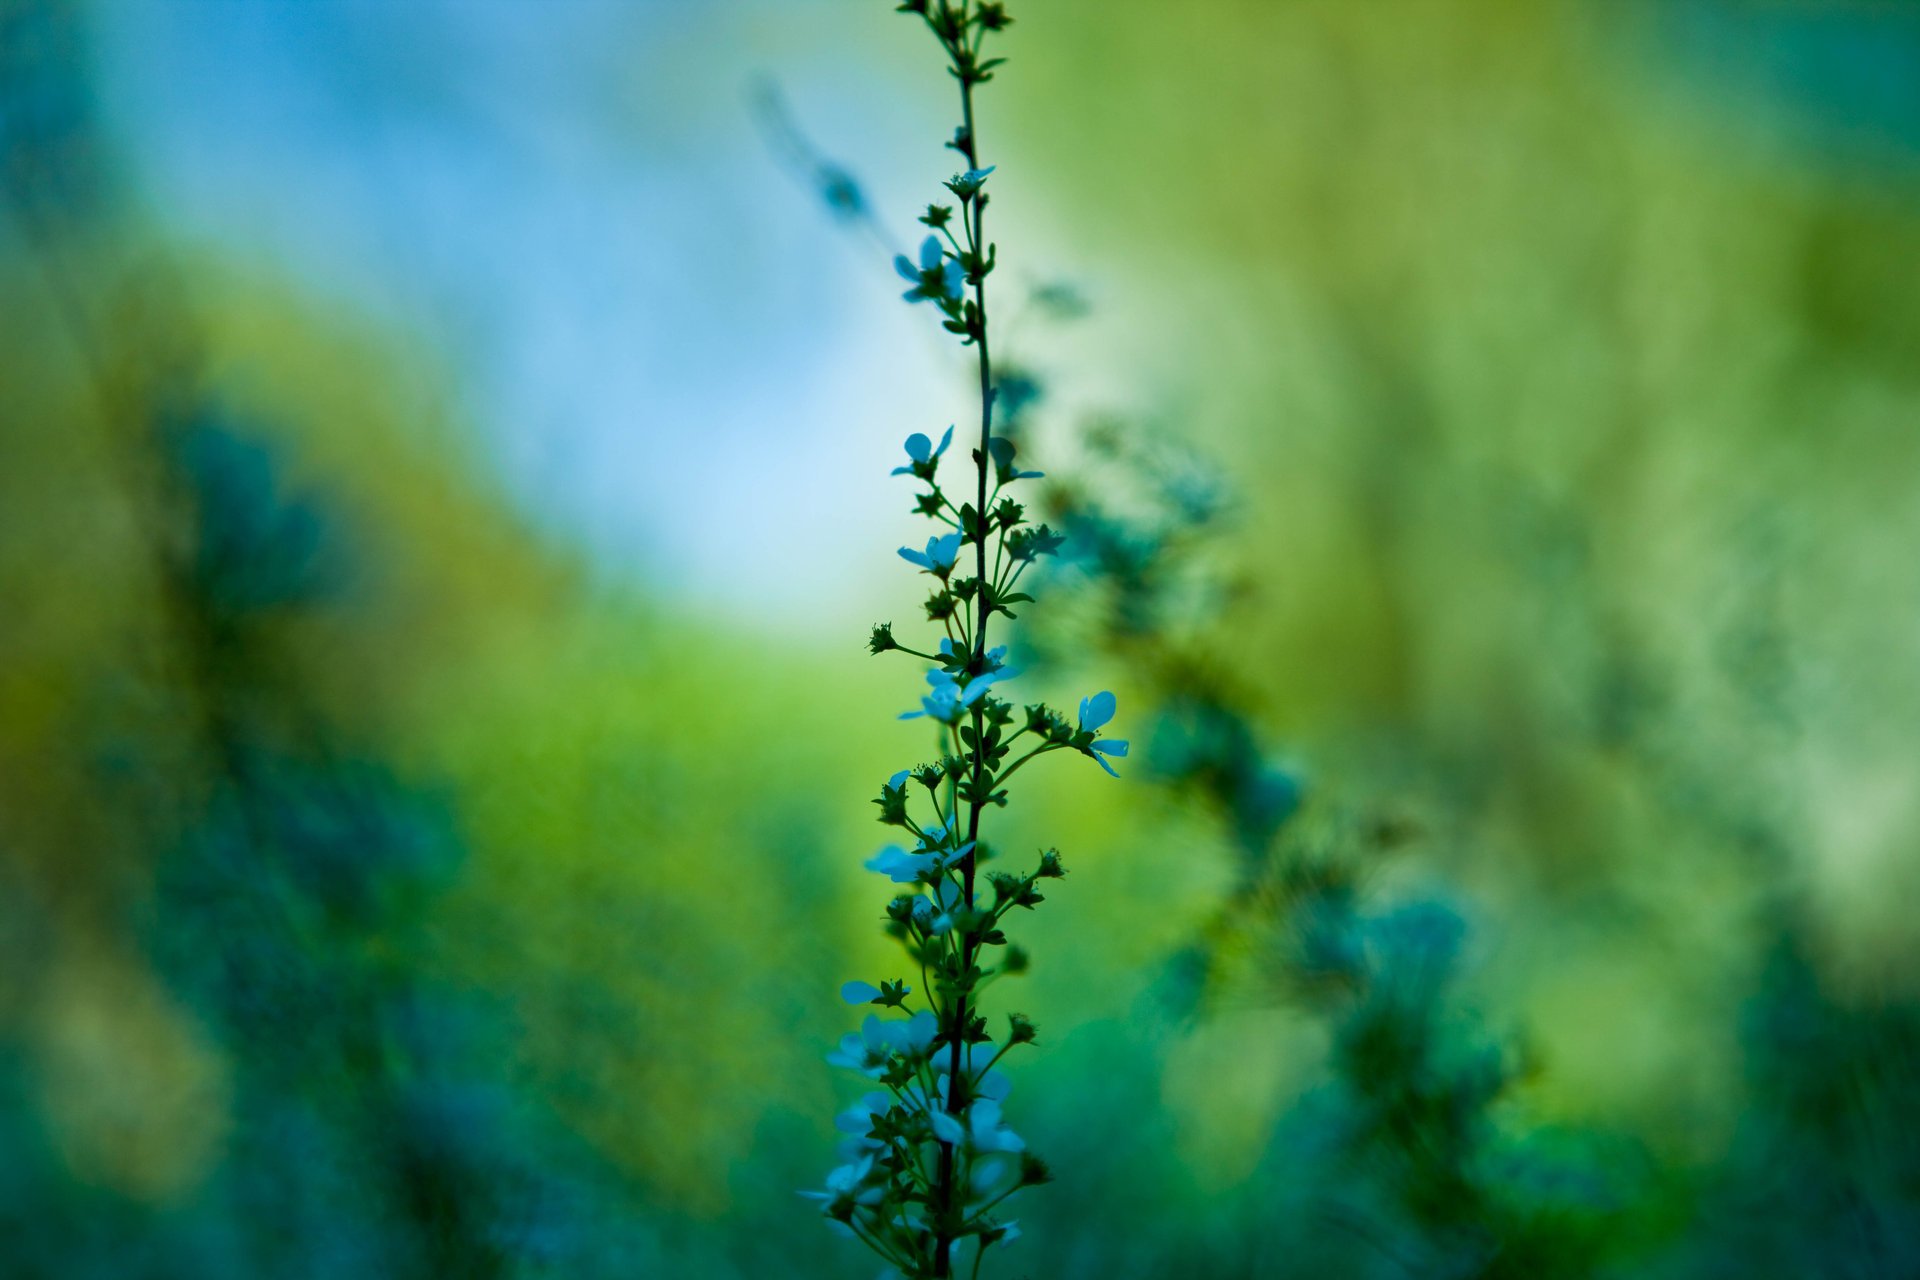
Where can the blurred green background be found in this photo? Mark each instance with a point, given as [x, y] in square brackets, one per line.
[443, 499]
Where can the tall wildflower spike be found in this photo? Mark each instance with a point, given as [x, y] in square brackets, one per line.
[932, 1161]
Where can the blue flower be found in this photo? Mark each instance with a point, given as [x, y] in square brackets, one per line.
[915, 1035]
[1005, 1233]
[858, 1118]
[1109, 747]
[859, 992]
[934, 913]
[987, 1132]
[920, 451]
[949, 697]
[1003, 450]
[937, 276]
[900, 866]
[983, 1082]
[928, 856]
[935, 842]
[946, 1128]
[939, 556]
[996, 656]
[868, 1049]
[1094, 713]
[865, 1051]
[850, 1184]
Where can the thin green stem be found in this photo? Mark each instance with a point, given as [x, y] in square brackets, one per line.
[945, 1192]
[1040, 750]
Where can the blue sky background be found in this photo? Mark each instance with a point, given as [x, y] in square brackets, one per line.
[675, 355]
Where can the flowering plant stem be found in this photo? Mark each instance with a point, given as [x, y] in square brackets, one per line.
[968, 143]
[929, 1161]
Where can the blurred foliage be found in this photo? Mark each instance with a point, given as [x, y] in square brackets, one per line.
[1517, 561]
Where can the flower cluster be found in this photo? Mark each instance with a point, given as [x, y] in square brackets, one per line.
[929, 1158]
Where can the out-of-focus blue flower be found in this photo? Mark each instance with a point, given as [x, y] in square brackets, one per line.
[935, 844]
[1005, 1233]
[868, 1049]
[939, 556]
[993, 1173]
[920, 449]
[934, 912]
[945, 1127]
[916, 1034]
[986, 1131]
[937, 276]
[948, 697]
[933, 847]
[849, 1183]
[864, 1051]
[983, 1083]
[1002, 450]
[858, 1118]
[859, 992]
[900, 866]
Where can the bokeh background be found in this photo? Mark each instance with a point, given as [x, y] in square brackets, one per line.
[443, 500]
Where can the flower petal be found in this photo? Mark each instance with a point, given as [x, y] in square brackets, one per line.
[1097, 710]
[859, 992]
[946, 1128]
